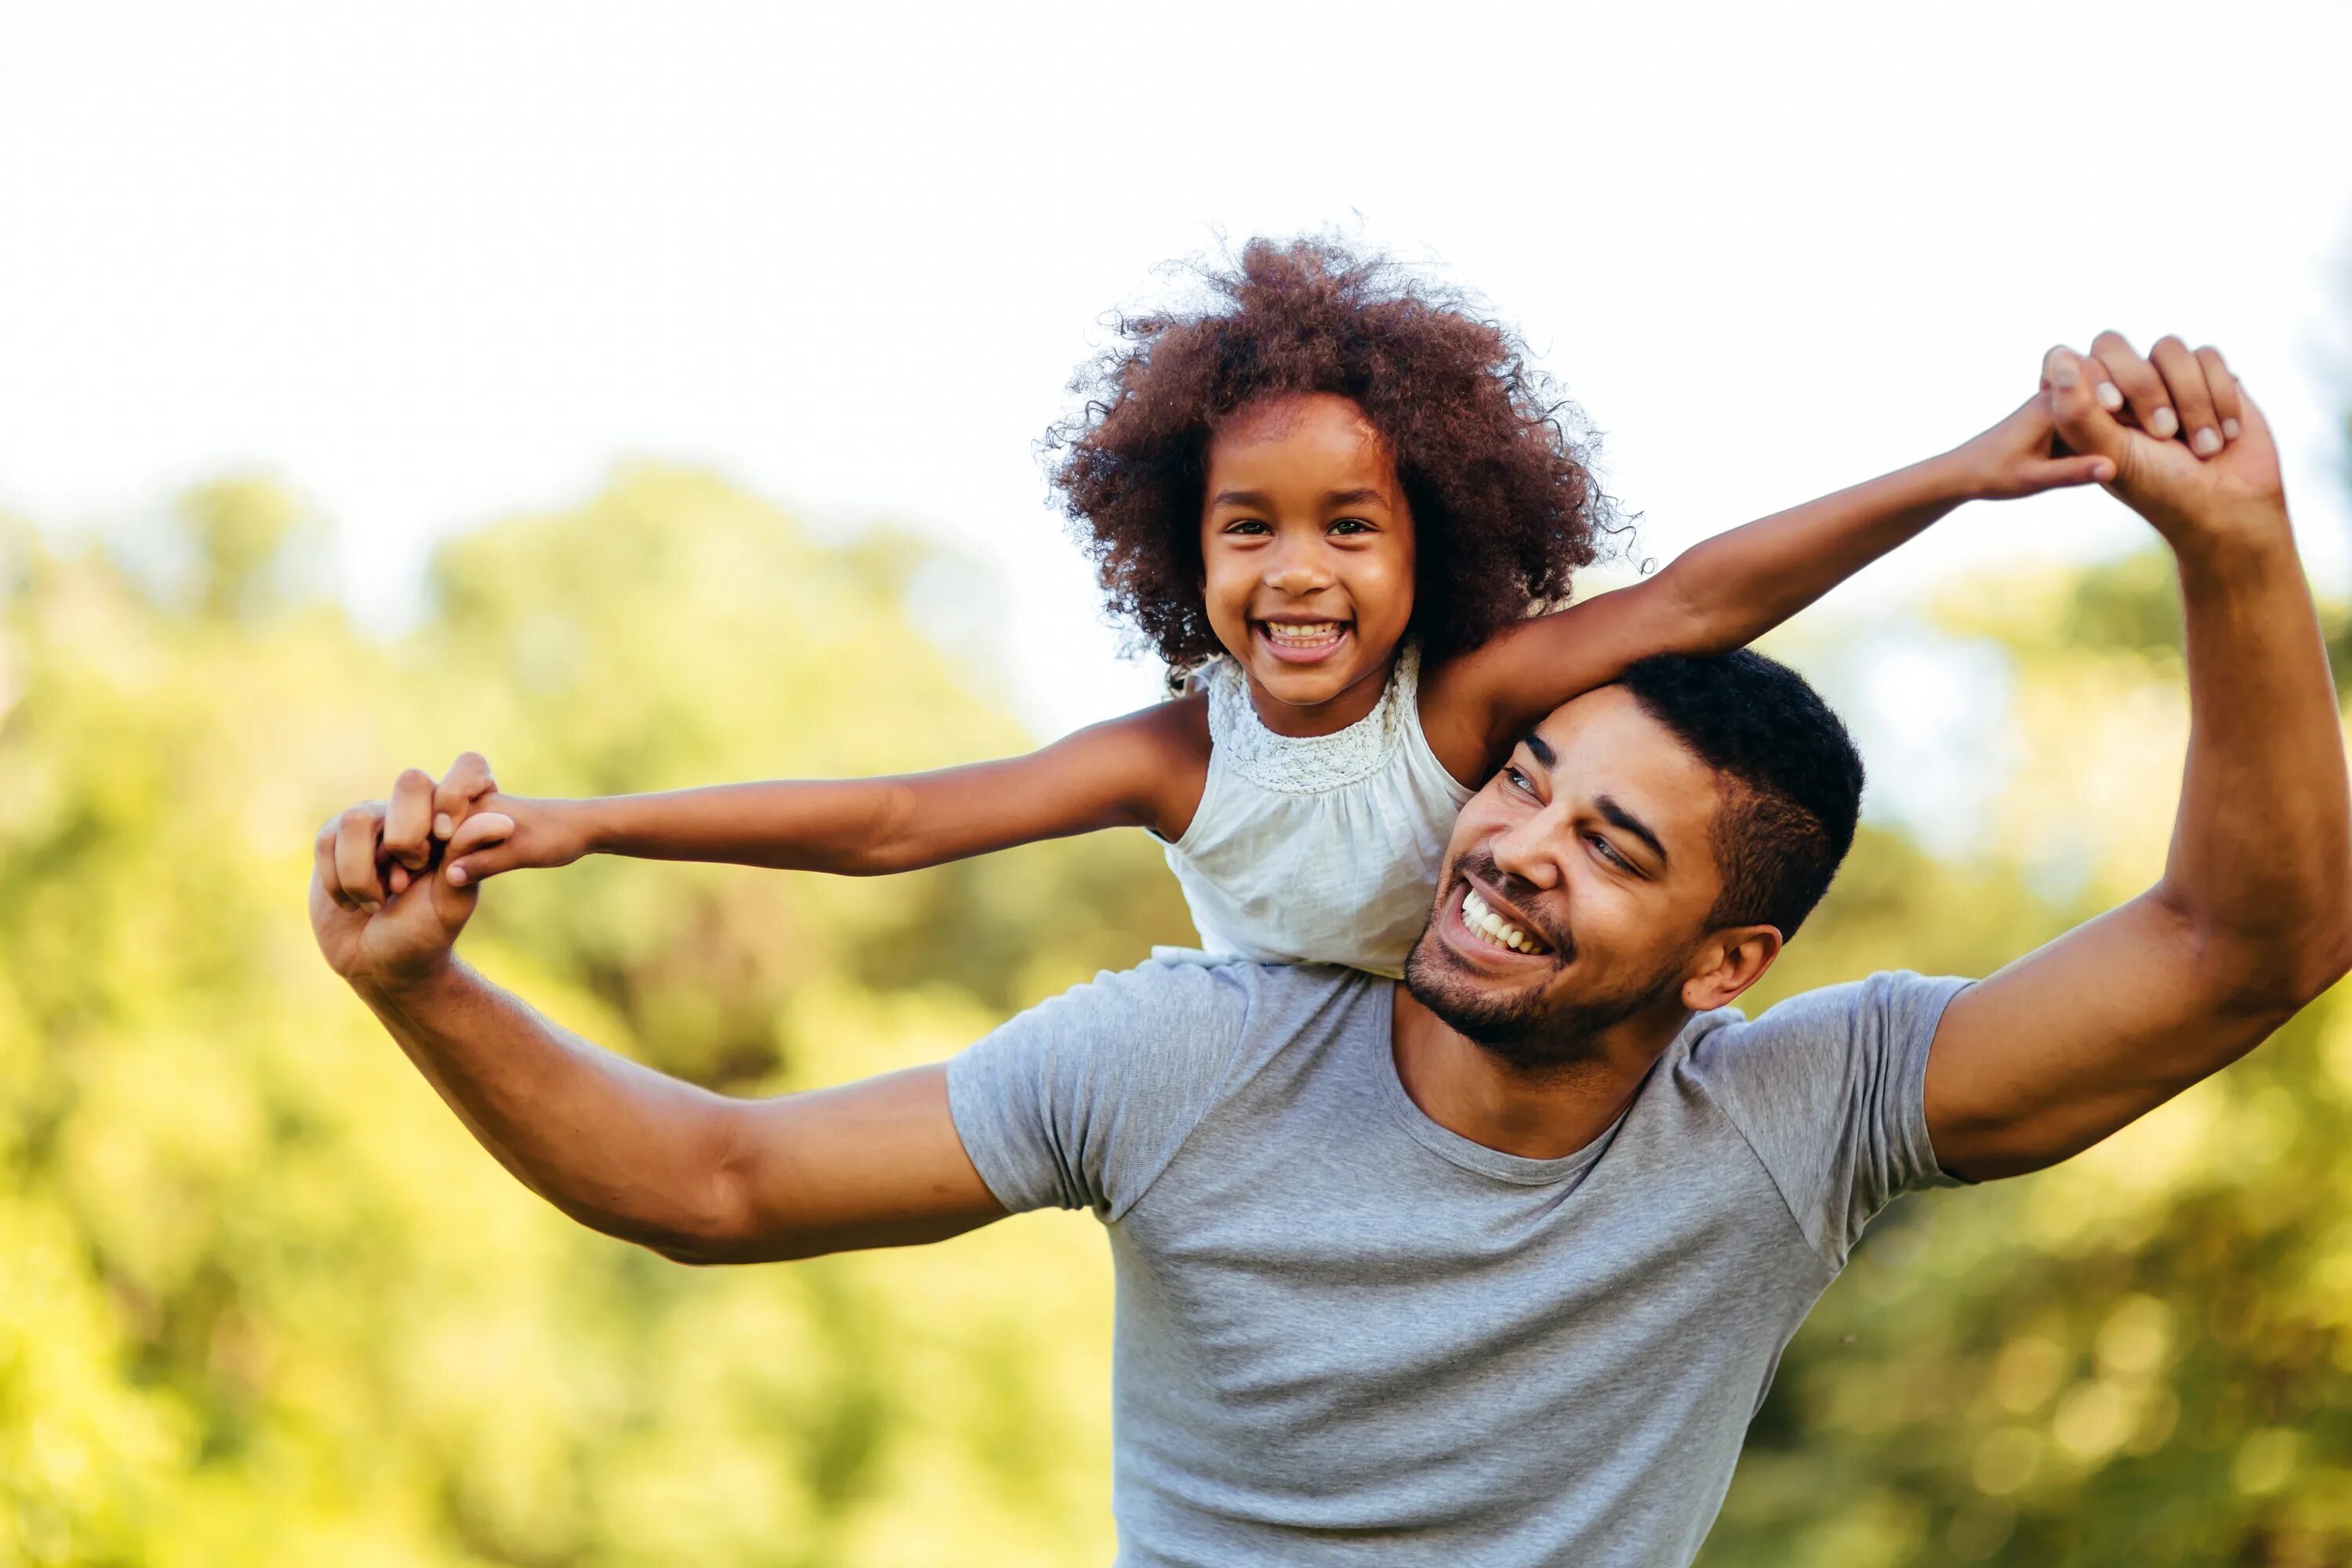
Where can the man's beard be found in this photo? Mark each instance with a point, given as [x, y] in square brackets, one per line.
[1526, 1029]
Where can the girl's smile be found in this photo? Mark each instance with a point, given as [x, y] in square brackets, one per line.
[1306, 550]
[1303, 641]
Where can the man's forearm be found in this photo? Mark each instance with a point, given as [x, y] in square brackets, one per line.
[615, 1144]
[2261, 849]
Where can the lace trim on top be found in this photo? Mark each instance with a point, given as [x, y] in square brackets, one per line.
[1308, 764]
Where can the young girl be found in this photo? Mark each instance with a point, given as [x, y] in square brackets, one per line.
[1336, 499]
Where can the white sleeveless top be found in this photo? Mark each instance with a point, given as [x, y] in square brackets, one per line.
[1320, 849]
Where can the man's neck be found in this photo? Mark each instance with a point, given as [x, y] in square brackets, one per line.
[1537, 1113]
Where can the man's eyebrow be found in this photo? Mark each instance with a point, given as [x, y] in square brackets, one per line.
[1617, 815]
[1539, 748]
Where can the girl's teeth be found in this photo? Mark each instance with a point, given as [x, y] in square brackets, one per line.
[1307, 636]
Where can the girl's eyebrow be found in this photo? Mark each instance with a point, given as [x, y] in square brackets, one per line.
[1238, 498]
[1357, 497]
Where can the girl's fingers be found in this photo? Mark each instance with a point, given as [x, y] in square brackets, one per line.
[481, 847]
[2227, 405]
[2184, 381]
[2088, 429]
[410, 819]
[357, 839]
[2060, 473]
[2144, 398]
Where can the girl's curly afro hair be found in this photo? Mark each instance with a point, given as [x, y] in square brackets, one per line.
[1493, 463]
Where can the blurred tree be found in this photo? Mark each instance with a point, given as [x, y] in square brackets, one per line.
[261, 1300]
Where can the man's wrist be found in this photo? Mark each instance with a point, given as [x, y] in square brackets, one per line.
[412, 985]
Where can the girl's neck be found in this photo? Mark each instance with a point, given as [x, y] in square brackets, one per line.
[1328, 717]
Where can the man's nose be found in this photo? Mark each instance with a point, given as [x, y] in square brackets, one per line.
[1528, 851]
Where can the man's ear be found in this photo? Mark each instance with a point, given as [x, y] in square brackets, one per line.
[1726, 963]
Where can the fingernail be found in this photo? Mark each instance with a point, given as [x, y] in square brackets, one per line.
[371, 906]
[2063, 373]
[2206, 442]
[457, 876]
[2164, 423]
[442, 825]
[2111, 397]
[2229, 428]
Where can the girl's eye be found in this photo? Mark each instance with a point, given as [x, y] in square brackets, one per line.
[1247, 525]
[1351, 525]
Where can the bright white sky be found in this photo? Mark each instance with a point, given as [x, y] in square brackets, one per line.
[433, 263]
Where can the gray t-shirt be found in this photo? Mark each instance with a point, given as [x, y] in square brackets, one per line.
[1345, 1335]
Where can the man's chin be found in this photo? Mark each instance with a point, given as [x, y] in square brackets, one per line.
[1524, 1023]
[1478, 1007]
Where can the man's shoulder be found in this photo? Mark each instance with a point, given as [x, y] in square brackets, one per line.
[1082, 1100]
[1220, 1000]
[1890, 1002]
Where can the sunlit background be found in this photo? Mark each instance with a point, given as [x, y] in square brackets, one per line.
[650, 395]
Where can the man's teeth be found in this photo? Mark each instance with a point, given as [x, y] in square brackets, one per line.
[1479, 918]
[1292, 635]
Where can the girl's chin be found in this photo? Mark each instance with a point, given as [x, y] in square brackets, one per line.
[1304, 686]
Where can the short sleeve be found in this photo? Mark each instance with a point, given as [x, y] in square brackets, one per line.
[1830, 1091]
[1081, 1101]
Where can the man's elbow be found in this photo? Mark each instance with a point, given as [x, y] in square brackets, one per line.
[2285, 975]
[2329, 961]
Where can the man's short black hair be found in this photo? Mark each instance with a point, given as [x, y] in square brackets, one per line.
[1792, 778]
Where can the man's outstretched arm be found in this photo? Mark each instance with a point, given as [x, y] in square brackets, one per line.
[2252, 918]
[697, 1176]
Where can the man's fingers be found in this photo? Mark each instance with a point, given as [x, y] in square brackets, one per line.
[2223, 385]
[358, 834]
[2143, 389]
[2184, 381]
[331, 878]
[479, 849]
[410, 819]
[468, 780]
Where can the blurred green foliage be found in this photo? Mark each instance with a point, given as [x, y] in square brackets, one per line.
[262, 1299]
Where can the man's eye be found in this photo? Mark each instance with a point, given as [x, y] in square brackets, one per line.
[1608, 852]
[1518, 779]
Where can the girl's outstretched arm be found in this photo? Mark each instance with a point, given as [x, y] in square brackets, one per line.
[1725, 592]
[1145, 769]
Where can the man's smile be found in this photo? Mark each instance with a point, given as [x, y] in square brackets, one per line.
[1481, 925]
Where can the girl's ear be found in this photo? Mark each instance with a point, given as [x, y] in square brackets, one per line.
[1729, 963]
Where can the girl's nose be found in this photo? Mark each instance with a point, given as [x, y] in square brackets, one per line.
[1297, 574]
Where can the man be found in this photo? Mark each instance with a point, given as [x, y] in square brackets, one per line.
[1495, 1267]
